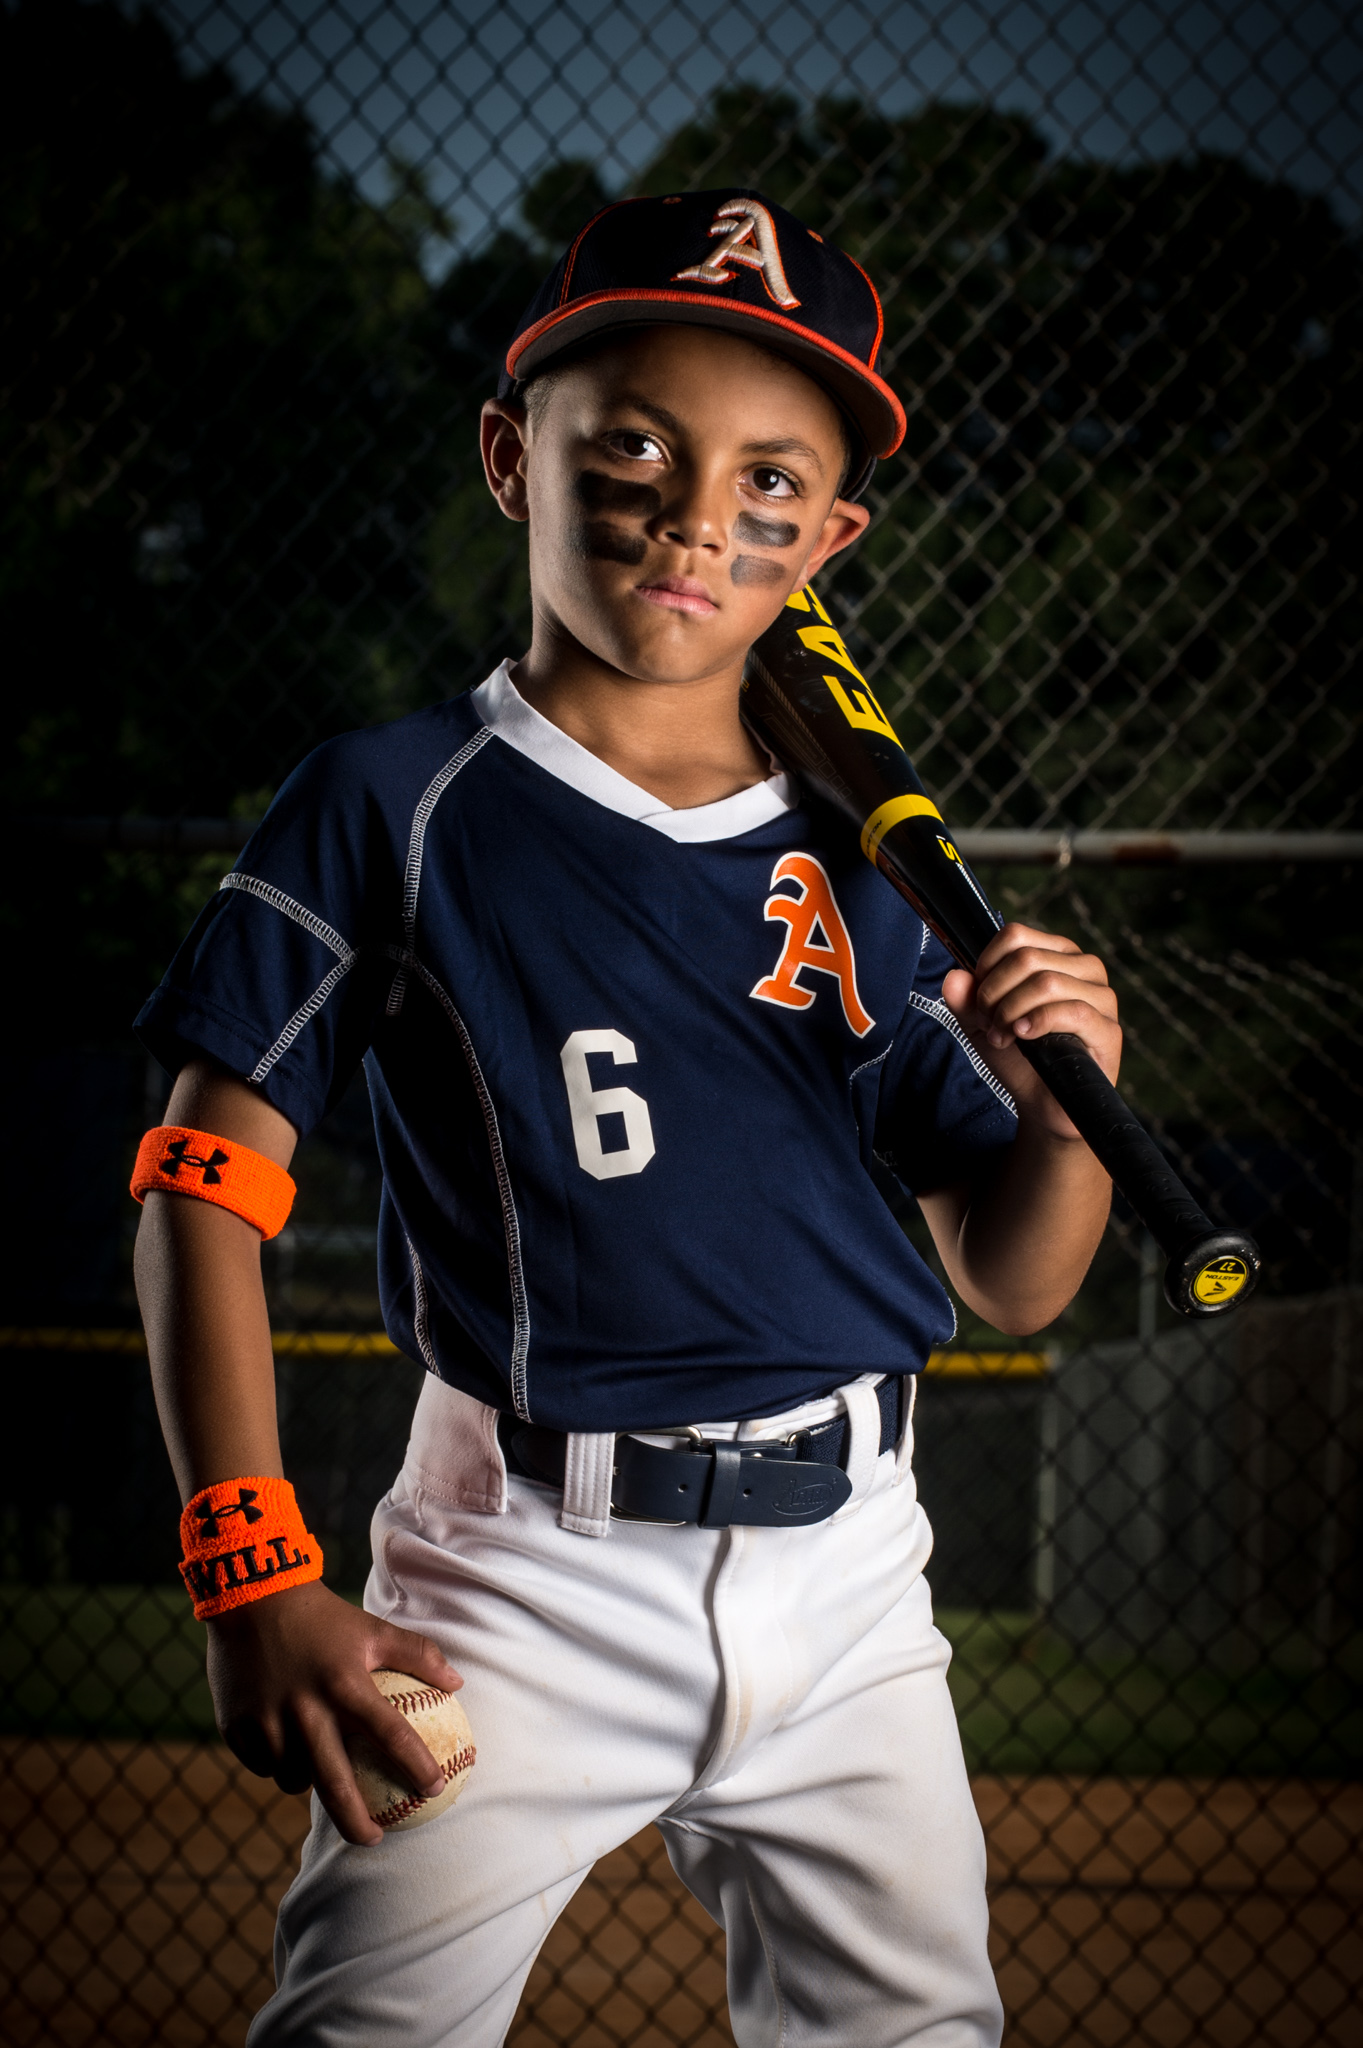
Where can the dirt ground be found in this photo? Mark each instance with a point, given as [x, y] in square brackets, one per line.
[138, 1884]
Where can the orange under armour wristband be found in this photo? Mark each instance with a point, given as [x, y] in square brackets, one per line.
[244, 1538]
[215, 1170]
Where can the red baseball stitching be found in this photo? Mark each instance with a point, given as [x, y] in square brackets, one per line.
[407, 1702]
[462, 1760]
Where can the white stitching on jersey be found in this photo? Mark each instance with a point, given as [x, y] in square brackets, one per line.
[421, 1325]
[520, 1302]
[286, 905]
[411, 881]
[345, 958]
[942, 1015]
[870, 1063]
[301, 1016]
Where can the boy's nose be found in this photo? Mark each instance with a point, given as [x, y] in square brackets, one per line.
[697, 514]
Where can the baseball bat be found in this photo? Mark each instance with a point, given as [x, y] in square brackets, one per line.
[808, 703]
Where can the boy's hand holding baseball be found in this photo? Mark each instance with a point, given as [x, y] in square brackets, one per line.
[1027, 983]
[290, 1680]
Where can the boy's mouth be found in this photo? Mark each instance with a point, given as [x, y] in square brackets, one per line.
[679, 594]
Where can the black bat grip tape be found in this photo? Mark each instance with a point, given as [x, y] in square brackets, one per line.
[1209, 1270]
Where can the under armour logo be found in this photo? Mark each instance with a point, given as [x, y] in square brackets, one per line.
[178, 1154]
[209, 1517]
[749, 240]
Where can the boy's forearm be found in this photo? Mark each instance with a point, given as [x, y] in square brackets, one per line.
[208, 1338]
[1027, 1238]
[289, 1674]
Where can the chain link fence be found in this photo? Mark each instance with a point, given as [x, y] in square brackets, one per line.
[258, 262]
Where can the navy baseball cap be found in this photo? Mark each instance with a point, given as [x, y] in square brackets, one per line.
[729, 259]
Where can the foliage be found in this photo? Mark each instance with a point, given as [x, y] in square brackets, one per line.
[209, 512]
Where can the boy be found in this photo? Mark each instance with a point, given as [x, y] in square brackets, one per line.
[637, 1026]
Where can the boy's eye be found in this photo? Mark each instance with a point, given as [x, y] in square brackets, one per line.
[636, 447]
[772, 483]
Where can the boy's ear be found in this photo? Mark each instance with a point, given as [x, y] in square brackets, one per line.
[503, 433]
[845, 523]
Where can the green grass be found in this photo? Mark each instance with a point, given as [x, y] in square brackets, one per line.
[102, 1660]
[1027, 1703]
[129, 1661]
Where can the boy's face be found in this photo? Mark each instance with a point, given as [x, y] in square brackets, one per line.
[679, 484]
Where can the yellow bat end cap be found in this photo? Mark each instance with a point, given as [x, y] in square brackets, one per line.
[1220, 1280]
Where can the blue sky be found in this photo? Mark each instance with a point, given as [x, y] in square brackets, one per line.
[484, 93]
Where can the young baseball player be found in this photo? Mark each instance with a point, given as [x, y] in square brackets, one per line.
[642, 1032]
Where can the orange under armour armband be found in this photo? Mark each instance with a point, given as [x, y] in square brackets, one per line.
[244, 1538]
[215, 1170]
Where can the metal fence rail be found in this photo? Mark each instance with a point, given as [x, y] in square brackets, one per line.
[258, 261]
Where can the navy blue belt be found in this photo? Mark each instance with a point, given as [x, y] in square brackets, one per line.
[779, 1483]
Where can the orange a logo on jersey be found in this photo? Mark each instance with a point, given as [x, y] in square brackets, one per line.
[817, 942]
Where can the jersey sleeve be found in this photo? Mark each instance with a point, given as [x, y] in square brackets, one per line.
[943, 1117]
[284, 975]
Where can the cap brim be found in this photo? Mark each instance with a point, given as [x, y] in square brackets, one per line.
[867, 399]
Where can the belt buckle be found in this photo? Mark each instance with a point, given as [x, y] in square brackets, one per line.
[720, 1494]
[698, 1442]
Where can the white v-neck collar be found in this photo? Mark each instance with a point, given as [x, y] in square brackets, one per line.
[500, 705]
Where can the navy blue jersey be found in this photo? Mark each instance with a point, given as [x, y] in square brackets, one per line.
[630, 1066]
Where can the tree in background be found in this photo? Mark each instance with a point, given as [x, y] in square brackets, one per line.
[220, 431]
[224, 428]
[1112, 573]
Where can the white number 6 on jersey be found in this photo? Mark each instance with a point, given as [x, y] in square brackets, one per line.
[587, 1106]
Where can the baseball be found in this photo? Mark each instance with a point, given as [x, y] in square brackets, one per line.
[443, 1726]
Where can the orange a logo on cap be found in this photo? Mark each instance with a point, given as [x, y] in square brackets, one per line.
[749, 240]
[817, 941]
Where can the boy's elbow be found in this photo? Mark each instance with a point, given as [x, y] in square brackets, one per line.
[1017, 1314]
[1028, 1323]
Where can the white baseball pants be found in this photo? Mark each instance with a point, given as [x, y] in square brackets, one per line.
[775, 1699]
